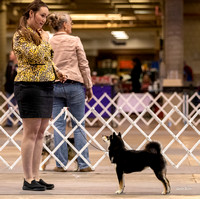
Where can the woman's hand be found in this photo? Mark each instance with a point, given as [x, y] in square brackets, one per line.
[61, 76]
[89, 94]
[44, 35]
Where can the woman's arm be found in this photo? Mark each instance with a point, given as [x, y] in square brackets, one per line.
[34, 55]
[83, 64]
[85, 70]
[61, 76]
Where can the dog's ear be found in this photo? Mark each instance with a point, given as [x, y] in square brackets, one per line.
[114, 134]
[119, 134]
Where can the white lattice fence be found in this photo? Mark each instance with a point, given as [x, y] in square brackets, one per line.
[7, 102]
[10, 138]
[192, 106]
[135, 103]
[131, 103]
[106, 125]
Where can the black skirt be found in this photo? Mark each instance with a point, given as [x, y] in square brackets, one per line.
[34, 99]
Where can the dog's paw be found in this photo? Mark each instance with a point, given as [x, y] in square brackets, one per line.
[168, 192]
[120, 191]
[165, 192]
[41, 169]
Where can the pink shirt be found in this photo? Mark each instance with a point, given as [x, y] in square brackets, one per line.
[69, 57]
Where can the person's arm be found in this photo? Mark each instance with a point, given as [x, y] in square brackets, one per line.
[83, 64]
[61, 76]
[44, 35]
[84, 69]
[28, 49]
[89, 94]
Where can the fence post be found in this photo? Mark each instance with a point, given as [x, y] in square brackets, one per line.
[185, 106]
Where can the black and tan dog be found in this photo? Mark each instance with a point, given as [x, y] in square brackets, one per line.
[128, 161]
[49, 141]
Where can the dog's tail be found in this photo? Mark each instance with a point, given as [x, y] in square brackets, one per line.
[153, 147]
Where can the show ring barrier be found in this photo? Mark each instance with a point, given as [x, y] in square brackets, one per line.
[161, 112]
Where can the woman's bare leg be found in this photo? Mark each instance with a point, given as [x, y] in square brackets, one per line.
[31, 127]
[38, 148]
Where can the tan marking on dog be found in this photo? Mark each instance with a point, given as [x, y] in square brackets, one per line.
[121, 186]
[165, 191]
[168, 186]
[44, 156]
[71, 155]
[105, 139]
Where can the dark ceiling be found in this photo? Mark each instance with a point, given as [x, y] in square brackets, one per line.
[97, 18]
[109, 13]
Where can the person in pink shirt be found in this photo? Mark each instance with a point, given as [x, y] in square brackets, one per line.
[70, 58]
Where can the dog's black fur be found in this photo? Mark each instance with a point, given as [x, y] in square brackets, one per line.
[49, 141]
[128, 161]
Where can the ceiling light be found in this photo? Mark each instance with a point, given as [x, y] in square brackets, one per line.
[135, 6]
[100, 17]
[144, 1]
[95, 17]
[120, 34]
[144, 11]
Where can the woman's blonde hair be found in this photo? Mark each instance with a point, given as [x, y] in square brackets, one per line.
[22, 28]
[56, 20]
